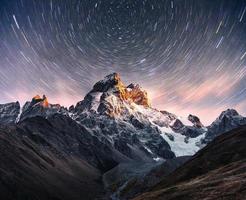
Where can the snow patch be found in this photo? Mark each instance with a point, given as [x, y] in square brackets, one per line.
[96, 100]
[181, 145]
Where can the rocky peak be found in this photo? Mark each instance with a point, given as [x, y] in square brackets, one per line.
[228, 120]
[133, 92]
[111, 81]
[195, 120]
[110, 95]
[41, 101]
[228, 113]
[171, 116]
[40, 107]
[137, 95]
[177, 125]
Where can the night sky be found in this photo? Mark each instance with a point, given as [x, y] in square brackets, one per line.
[189, 55]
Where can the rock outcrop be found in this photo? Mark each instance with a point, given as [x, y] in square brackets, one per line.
[195, 120]
[9, 112]
[40, 107]
[228, 120]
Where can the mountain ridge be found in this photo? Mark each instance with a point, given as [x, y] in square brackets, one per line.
[123, 116]
[113, 129]
[215, 172]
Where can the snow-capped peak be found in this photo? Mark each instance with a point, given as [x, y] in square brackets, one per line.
[122, 117]
[112, 97]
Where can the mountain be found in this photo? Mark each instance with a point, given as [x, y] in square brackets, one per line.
[35, 163]
[216, 172]
[228, 120]
[40, 107]
[121, 116]
[113, 132]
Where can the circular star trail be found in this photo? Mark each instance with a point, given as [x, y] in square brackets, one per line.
[189, 55]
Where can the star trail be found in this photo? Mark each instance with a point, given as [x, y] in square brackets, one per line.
[190, 55]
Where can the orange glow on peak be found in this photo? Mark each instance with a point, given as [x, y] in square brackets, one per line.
[45, 103]
[37, 97]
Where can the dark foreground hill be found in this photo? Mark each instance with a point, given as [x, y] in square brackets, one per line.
[32, 168]
[216, 172]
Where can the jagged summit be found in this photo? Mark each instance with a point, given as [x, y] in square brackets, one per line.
[120, 115]
[111, 81]
[228, 113]
[40, 107]
[112, 97]
[113, 125]
[132, 93]
[42, 101]
[138, 95]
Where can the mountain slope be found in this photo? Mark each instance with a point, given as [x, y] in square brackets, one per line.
[124, 116]
[216, 172]
[51, 152]
[127, 180]
[64, 136]
[30, 171]
[54, 158]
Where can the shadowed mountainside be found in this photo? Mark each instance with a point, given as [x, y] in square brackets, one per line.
[216, 172]
[34, 166]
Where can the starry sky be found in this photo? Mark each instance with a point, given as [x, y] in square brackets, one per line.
[190, 55]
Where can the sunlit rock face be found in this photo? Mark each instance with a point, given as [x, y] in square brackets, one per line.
[42, 101]
[132, 93]
[138, 95]
[110, 96]
[40, 107]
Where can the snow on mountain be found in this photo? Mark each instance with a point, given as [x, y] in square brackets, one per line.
[121, 117]
[180, 144]
[119, 112]
[96, 102]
